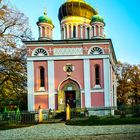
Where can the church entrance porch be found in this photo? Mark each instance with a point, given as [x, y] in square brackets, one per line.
[69, 93]
[70, 98]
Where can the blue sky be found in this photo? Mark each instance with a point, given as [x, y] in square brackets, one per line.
[122, 18]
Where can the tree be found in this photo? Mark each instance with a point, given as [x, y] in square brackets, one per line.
[13, 29]
[128, 90]
[135, 85]
[124, 87]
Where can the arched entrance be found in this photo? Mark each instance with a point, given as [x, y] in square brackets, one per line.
[69, 93]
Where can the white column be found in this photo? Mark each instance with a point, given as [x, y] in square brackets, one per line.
[90, 32]
[81, 32]
[67, 31]
[40, 31]
[51, 89]
[30, 84]
[87, 83]
[85, 32]
[107, 99]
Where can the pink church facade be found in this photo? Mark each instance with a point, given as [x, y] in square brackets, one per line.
[78, 70]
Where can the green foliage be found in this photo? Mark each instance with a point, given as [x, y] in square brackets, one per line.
[95, 120]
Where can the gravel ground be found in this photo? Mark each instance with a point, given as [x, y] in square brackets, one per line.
[62, 131]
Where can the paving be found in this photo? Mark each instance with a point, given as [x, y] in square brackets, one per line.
[61, 131]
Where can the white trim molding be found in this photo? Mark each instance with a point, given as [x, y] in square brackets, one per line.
[75, 57]
[97, 90]
[87, 83]
[51, 89]
[30, 84]
[71, 44]
[107, 81]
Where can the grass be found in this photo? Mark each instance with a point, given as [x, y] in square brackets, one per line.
[6, 125]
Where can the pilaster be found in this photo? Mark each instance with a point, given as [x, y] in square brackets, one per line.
[51, 89]
[87, 83]
[30, 84]
[107, 84]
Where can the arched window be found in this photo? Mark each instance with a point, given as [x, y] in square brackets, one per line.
[42, 77]
[74, 31]
[93, 31]
[88, 33]
[97, 74]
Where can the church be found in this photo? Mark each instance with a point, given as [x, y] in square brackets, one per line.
[79, 69]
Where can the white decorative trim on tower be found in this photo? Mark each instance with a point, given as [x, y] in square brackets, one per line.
[51, 89]
[87, 83]
[106, 65]
[30, 84]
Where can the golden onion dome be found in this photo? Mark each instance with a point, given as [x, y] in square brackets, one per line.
[76, 8]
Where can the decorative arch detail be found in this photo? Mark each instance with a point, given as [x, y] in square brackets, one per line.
[96, 50]
[40, 52]
[69, 80]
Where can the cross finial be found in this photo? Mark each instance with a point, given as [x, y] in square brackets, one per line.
[45, 11]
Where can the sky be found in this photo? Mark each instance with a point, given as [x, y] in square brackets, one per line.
[122, 18]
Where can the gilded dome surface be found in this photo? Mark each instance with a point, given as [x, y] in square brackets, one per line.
[76, 8]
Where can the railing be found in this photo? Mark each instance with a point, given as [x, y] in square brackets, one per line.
[20, 117]
[57, 116]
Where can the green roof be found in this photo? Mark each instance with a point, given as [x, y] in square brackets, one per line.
[44, 19]
[97, 18]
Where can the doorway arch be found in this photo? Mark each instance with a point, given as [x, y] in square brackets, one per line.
[69, 92]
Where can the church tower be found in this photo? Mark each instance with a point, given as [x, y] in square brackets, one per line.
[45, 27]
[97, 23]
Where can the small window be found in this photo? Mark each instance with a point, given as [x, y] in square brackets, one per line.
[74, 31]
[42, 77]
[97, 74]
